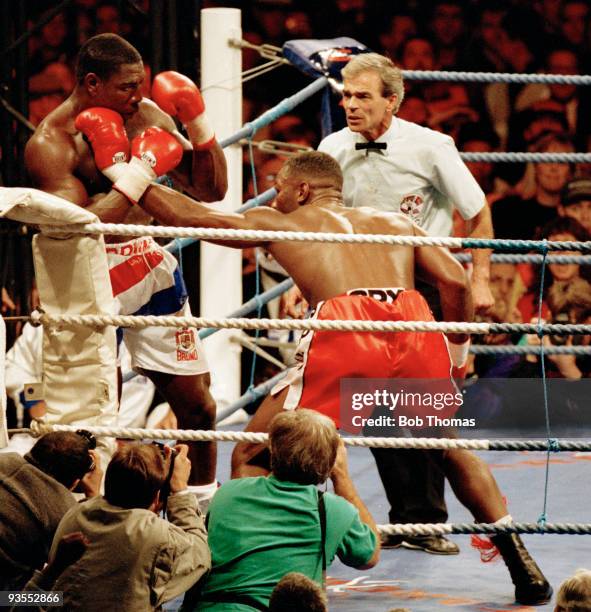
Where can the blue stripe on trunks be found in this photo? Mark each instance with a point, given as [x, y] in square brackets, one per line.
[167, 301]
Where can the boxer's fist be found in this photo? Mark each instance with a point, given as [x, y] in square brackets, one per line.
[106, 133]
[178, 96]
[154, 152]
[158, 149]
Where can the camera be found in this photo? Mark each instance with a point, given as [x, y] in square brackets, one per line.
[165, 489]
[561, 318]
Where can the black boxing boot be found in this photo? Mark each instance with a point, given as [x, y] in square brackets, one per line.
[531, 586]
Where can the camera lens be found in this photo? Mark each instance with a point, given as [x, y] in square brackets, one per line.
[561, 318]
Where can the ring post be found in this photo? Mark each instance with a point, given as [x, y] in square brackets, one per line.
[221, 268]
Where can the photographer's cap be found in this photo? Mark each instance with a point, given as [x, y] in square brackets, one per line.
[576, 191]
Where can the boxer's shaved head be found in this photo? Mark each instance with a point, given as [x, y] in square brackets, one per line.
[103, 55]
[314, 165]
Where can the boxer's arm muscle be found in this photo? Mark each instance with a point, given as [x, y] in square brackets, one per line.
[438, 267]
[51, 162]
[202, 174]
[172, 208]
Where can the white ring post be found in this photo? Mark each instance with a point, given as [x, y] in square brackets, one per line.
[221, 267]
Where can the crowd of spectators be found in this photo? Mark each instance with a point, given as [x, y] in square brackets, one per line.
[510, 36]
[528, 201]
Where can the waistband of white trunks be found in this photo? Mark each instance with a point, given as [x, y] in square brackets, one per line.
[132, 247]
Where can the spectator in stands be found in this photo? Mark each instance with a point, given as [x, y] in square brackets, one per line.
[291, 129]
[448, 105]
[574, 19]
[414, 109]
[350, 18]
[261, 528]
[571, 100]
[576, 202]
[571, 304]
[136, 560]
[35, 493]
[574, 594]
[485, 51]
[399, 28]
[505, 292]
[560, 229]
[448, 25]
[521, 217]
[109, 20]
[51, 76]
[479, 138]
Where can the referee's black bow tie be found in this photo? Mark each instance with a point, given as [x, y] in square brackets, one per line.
[370, 146]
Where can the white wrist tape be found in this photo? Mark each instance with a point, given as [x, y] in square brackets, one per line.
[504, 521]
[459, 353]
[200, 132]
[135, 180]
[115, 172]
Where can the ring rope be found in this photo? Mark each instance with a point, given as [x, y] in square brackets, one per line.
[198, 435]
[286, 105]
[418, 529]
[479, 349]
[251, 395]
[119, 229]
[522, 157]
[268, 51]
[451, 327]
[529, 258]
[496, 77]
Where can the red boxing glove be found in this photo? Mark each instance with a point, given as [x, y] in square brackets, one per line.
[178, 96]
[154, 152]
[106, 133]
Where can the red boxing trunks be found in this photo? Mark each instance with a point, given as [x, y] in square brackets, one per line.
[324, 358]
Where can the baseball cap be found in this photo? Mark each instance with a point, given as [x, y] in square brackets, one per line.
[576, 191]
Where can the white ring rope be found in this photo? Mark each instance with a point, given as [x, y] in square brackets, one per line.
[118, 229]
[418, 529]
[197, 435]
[448, 327]
[137, 322]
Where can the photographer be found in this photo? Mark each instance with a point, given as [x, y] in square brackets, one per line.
[263, 528]
[35, 493]
[136, 560]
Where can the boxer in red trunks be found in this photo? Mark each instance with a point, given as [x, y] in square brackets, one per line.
[324, 358]
[309, 198]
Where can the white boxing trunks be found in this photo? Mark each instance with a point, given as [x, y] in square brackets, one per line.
[146, 280]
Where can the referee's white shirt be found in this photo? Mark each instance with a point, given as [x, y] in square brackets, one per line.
[419, 174]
